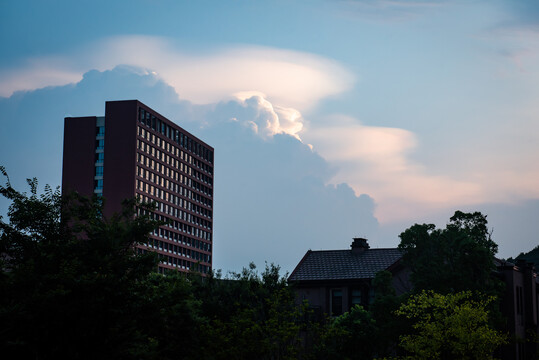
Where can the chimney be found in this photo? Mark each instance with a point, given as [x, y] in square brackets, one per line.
[359, 245]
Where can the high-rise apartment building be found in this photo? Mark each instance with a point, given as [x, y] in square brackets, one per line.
[133, 151]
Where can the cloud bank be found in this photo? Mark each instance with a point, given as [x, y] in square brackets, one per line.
[268, 91]
[272, 198]
[290, 78]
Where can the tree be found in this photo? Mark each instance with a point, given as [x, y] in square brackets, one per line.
[452, 326]
[386, 302]
[531, 256]
[71, 283]
[74, 287]
[172, 317]
[352, 335]
[251, 316]
[459, 257]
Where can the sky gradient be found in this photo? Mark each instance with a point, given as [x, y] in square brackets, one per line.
[330, 119]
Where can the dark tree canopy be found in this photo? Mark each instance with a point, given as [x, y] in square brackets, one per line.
[73, 286]
[531, 256]
[457, 258]
[69, 279]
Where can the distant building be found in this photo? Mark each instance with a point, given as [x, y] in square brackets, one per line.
[333, 281]
[520, 307]
[133, 151]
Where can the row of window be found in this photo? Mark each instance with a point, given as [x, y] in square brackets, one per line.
[173, 200]
[156, 124]
[174, 187]
[177, 237]
[171, 150]
[183, 227]
[166, 234]
[98, 184]
[175, 161]
[173, 211]
[99, 157]
[173, 174]
[182, 239]
[178, 226]
[178, 250]
[357, 296]
[200, 176]
[178, 263]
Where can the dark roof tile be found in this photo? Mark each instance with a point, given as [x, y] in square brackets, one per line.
[343, 264]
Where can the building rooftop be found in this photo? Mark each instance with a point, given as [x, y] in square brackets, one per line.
[344, 264]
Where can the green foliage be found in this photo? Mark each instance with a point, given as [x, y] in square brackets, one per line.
[390, 326]
[352, 335]
[251, 316]
[457, 258]
[362, 333]
[73, 286]
[452, 326]
[172, 317]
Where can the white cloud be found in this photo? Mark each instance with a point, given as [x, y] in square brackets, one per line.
[379, 161]
[267, 119]
[270, 88]
[290, 78]
[376, 161]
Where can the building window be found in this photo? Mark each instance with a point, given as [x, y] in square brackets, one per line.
[100, 144]
[336, 302]
[99, 157]
[100, 131]
[99, 171]
[98, 184]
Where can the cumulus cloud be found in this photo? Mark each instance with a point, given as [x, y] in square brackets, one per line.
[267, 119]
[290, 78]
[272, 197]
[268, 91]
[376, 160]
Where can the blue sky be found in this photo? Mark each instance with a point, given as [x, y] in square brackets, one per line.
[330, 119]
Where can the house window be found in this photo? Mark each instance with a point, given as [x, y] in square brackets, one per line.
[371, 295]
[355, 297]
[336, 302]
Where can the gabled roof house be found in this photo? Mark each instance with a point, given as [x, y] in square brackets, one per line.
[335, 280]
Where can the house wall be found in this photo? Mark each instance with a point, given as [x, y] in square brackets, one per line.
[401, 280]
[316, 296]
[520, 308]
[319, 295]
